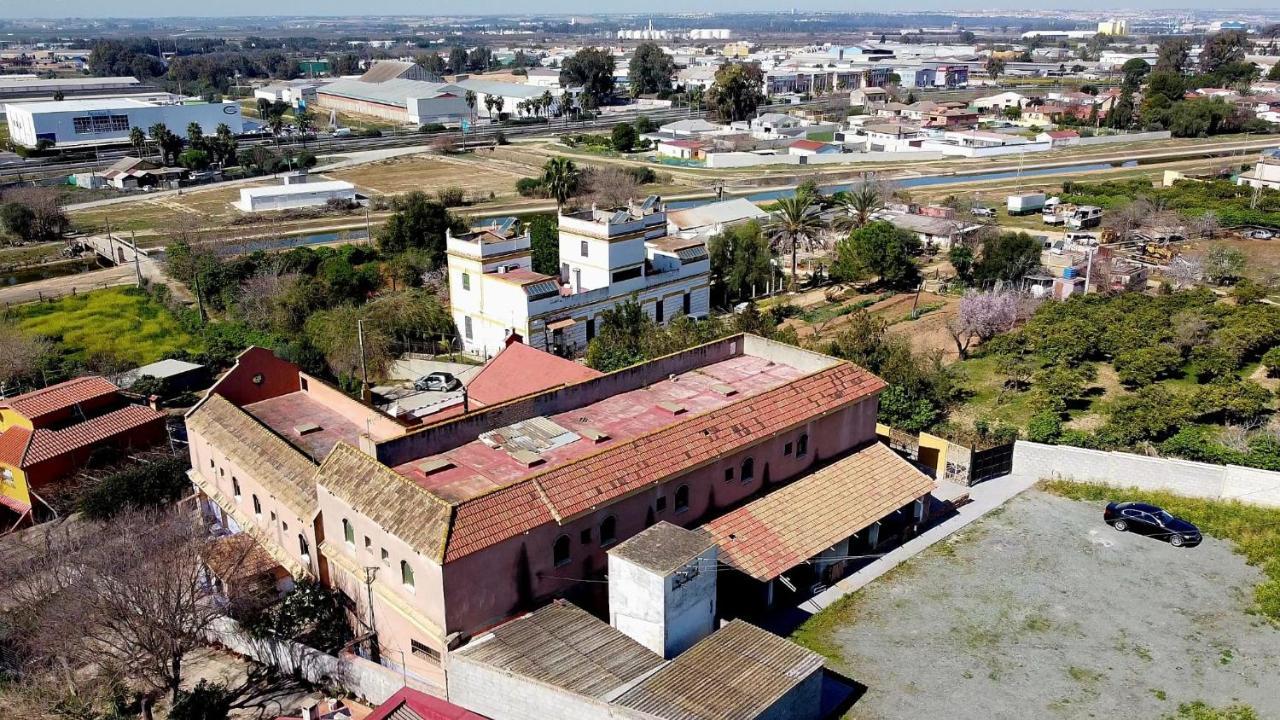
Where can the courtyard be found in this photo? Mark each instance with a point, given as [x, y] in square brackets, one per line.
[1040, 609]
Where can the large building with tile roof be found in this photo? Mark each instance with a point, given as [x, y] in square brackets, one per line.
[49, 434]
[438, 531]
[607, 257]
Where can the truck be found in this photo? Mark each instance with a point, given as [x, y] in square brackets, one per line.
[1026, 203]
[1084, 217]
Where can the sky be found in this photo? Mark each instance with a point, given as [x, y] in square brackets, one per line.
[225, 8]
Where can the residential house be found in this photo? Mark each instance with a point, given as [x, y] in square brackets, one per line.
[607, 257]
[868, 96]
[713, 218]
[131, 173]
[682, 149]
[1265, 173]
[997, 103]
[1059, 138]
[939, 233]
[951, 118]
[808, 148]
[453, 527]
[48, 435]
[770, 125]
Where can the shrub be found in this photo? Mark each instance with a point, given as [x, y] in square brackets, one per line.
[642, 175]
[432, 128]
[206, 701]
[1271, 361]
[147, 484]
[1044, 427]
[451, 196]
[1144, 366]
[531, 187]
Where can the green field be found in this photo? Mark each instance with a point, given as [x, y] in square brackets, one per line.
[123, 323]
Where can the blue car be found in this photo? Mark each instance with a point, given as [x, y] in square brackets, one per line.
[1147, 519]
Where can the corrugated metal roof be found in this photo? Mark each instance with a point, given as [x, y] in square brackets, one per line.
[716, 213]
[567, 647]
[736, 673]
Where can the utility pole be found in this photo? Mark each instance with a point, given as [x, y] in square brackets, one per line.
[374, 654]
[364, 370]
[137, 263]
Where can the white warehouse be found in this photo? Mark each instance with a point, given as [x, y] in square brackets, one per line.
[299, 195]
[70, 123]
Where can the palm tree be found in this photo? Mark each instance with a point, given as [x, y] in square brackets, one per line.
[560, 177]
[547, 100]
[488, 105]
[859, 204]
[195, 134]
[264, 107]
[470, 97]
[566, 103]
[498, 102]
[137, 139]
[795, 221]
[276, 123]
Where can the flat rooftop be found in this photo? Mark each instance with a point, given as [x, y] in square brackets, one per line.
[297, 189]
[84, 105]
[478, 467]
[310, 426]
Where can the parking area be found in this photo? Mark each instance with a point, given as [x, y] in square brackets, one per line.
[399, 396]
[1041, 610]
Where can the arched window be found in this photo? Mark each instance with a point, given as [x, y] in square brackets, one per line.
[560, 551]
[748, 470]
[257, 506]
[802, 445]
[303, 547]
[406, 574]
[348, 532]
[682, 498]
[609, 531]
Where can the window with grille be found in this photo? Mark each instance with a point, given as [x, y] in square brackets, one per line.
[423, 651]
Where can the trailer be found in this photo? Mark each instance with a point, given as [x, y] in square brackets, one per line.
[1025, 204]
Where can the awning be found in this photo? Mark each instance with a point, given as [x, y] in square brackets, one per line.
[781, 530]
[561, 324]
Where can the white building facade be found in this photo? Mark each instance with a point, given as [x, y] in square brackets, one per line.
[607, 257]
[69, 123]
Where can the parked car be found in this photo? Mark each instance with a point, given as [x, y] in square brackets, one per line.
[1261, 234]
[437, 382]
[983, 212]
[1150, 520]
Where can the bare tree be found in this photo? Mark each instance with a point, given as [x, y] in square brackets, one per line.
[608, 186]
[259, 301]
[1205, 225]
[129, 596]
[22, 355]
[1186, 271]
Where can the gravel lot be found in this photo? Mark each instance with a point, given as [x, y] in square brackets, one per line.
[1041, 610]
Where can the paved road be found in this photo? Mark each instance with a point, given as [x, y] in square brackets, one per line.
[87, 282]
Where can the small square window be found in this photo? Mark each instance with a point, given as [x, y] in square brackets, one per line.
[583, 247]
[586, 536]
[786, 449]
[661, 503]
[303, 381]
[728, 474]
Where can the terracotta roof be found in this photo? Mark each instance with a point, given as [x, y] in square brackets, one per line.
[410, 704]
[565, 646]
[398, 505]
[46, 444]
[238, 557]
[1060, 134]
[520, 370]
[282, 469]
[594, 480]
[38, 403]
[13, 445]
[794, 523]
[808, 145]
[736, 673]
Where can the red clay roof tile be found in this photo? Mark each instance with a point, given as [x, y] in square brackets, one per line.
[38, 403]
[46, 444]
[565, 491]
[520, 370]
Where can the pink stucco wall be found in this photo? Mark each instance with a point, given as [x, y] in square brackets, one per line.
[473, 600]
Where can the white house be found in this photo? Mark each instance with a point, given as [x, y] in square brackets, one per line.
[713, 218]
[1059, 138]
[933, 232]
[1000, 101]
[806, 148]
[681, 149]
[1266, 174]
[607, 257]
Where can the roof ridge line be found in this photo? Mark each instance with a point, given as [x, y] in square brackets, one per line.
[536, 477]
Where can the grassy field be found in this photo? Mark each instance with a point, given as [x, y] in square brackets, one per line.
[120, 322]
[430, 173]
[1254, 530]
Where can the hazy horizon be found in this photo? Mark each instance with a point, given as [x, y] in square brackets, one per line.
[177, 9]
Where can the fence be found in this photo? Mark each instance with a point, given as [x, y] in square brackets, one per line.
[1194, 479]
[947, 460]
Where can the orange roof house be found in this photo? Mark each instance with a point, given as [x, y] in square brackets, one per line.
[49, 434]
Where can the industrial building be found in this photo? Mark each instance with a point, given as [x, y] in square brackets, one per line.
[399, 100]
[72, 123]
[295, 195]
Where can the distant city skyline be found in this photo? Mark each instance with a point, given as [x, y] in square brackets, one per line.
[54, 9]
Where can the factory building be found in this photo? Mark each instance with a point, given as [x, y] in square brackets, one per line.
[71, 123]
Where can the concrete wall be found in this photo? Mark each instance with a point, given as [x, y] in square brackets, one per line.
[501, 695]
[746, 159]
[361, 677]
[1128, 137]
[804, 702]
[1193, 479]
[666, 614]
